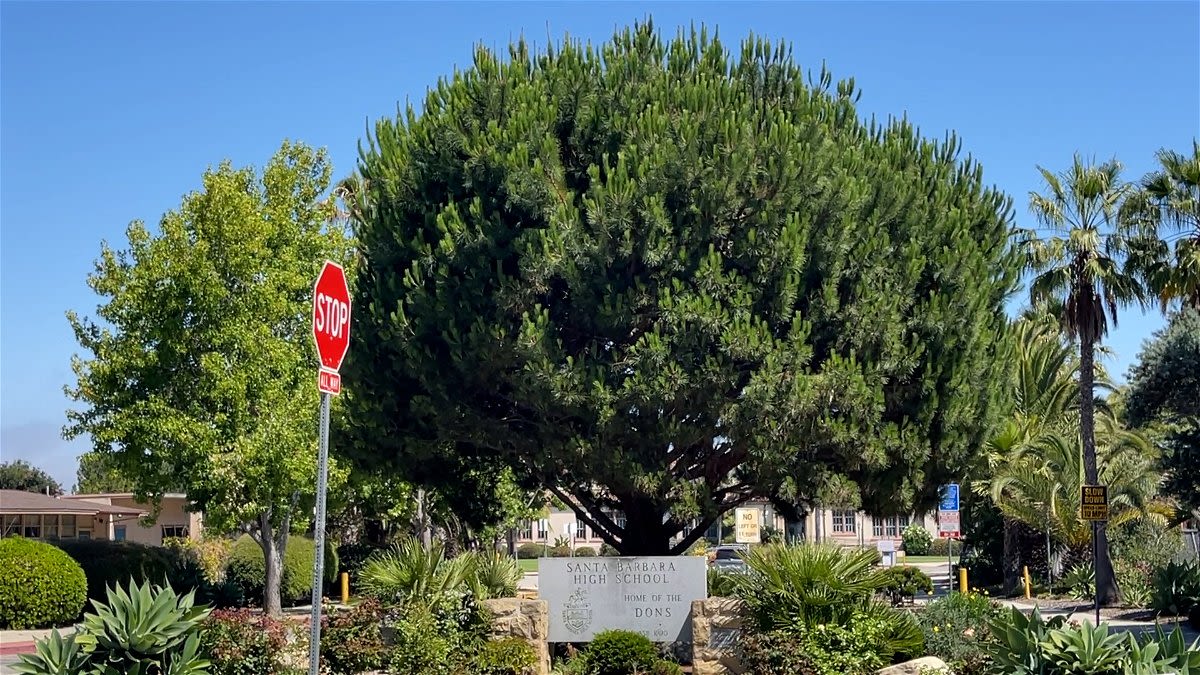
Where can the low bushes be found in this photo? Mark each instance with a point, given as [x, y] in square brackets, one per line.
[241, 642]
[823, 598]
[531, 551]
[352, 642]
[509, 656]
[40, 585]
[957, 629]
[904, 582]
[619, 652]
[820, 650]
[585, 552]
[117, 563]
[248, 571]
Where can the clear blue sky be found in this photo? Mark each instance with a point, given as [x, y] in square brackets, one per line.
[110, 111]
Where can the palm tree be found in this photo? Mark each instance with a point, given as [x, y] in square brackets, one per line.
[1168, 202]
[1044, 401]
[1085, 264]
[1041, 485]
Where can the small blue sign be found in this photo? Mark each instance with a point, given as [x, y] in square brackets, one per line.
[949, 498]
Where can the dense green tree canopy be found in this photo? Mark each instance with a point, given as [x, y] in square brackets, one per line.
[660, 279]
[1164, 382]
[1164, 391]
[98, 473]
[200, 367]
[21, 475]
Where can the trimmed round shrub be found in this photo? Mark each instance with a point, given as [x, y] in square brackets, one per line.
[917, 540]
[620, 652]
[531, 551]
[585, 552]
[247, 569]
[560, 551]
[40, 585]
[117, 563]
[609, 551]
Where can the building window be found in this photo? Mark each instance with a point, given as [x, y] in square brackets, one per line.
[68, 527]
[50, 525]
[581, 530]
[31, 526]
[889, 527]
[12, 526]
[845, 522]
[85, 534]
[119, 533]
[174, 531]
[526, 532]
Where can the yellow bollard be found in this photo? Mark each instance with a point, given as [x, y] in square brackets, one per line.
[345, 588]
[1028, 584]
[962, 579]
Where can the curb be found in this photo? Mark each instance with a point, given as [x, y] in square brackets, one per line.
[14, 648]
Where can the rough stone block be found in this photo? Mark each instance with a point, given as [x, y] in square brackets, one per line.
[927, 664]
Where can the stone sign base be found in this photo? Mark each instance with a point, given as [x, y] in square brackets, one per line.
[716, 631]
[524, 619]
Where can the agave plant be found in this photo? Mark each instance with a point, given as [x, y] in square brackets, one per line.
[1018, 645]
[1086, 649]
[410, 572]
[1176, 655]
[145, 630]
[55, 655]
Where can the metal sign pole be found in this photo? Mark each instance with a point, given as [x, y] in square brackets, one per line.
[1096, 565]
[950, 560]
[314, 636]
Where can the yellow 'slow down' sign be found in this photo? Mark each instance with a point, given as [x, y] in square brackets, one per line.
[1094, 502]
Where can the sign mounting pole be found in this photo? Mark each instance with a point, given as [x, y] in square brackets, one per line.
[331, 330]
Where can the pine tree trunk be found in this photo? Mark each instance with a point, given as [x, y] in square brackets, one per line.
[1106, 581]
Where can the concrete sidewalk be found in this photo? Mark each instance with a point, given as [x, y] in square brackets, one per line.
[1123, 625]
[16, 642]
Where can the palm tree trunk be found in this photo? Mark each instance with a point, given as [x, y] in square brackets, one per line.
[1011, 562]
[1106, 580]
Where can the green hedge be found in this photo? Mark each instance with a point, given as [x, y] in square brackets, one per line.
[116, 563]
[248, 571]
[40, 585]
[531, 551]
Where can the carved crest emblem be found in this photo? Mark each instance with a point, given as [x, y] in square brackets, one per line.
[577, 612]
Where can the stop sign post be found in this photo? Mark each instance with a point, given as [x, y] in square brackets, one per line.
[331, 331]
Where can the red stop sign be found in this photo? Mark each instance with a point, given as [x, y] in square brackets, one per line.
[331, 315]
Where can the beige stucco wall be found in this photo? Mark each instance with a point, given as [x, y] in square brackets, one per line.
[172, 513]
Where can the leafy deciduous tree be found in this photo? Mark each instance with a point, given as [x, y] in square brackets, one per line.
[659, 280]
[21, 475]
[200, 371]
[96, 474]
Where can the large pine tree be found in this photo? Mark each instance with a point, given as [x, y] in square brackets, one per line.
[659, 280]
